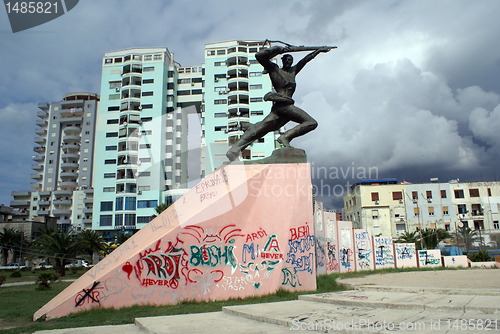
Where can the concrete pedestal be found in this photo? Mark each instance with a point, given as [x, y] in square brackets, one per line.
[244, 230]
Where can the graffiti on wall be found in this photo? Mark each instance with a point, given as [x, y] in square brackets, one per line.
[429, 258]
[346, 254]
[301, 249]
[406, 255]
[363, 249]
[384, 252]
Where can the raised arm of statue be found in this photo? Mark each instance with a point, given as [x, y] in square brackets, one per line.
[265, 55]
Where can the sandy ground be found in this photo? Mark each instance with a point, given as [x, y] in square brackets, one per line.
[467, 278]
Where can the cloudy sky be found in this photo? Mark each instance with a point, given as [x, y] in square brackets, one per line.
[412, 91]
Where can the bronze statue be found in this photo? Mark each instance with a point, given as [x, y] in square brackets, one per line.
[283, 109]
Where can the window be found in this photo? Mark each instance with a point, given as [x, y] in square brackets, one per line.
[220, 101]
[147, 93]
[257, 113]
[443, 193]
[196, 92]
[459, 193]
[108, 61]
[145, 160]
[495, 225]
[148, 57]
[157, 57]
[397, 195]
[130, 219]
[107, 206]
[111, 148]
[462, 209]
[105, 220]
[147, 106]
[108, 189]
[146, 132]
[478, 225]
[256, 99]
[141, 146]
[119, 204]
[144, 174]
[170, 85]
[110, 161]
[219, 114]
[85, 150]
[144, 220]
[183, 92]
[144, 188]
[129, 203]
[148, 81]
[147, 204]
[374, 196]
[431, 211]
[489, 192]
[111, 134]
[428, 194]
[146, 119]
[259, 86]
[221, 52]
[119, 219]
[220, 63]
[115, 84]
[148, 69]
[109, 175]
[445, 210]
[255, 74]
[474, 192]
[414, 195]
[114, 96]
[210, 52]
[415, 211]
[374, 214]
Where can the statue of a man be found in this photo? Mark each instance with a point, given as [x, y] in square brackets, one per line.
[283, 109]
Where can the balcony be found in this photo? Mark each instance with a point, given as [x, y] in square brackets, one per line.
[87, 221]
[44, 193]
[70, 119]
[15, 204]
[40, 140]
[44, 106]
[43, 202]
[88, 200]
[36, 186]
[71, 112]
[20, 193]
[63, 192]
[65, 175]
[64, 222]
[70, 156]
[36, 176]
[68, 184]
[39, 149]
[61, 201]
[42, 114]
[42, 212]
[70, 147]
[37, 167]
[69, 165]
[41, 122]
[41, 132]
[39, 157]
[87, 210]
[72, 139]
[71, 130]
[61, 212]
[88, 190]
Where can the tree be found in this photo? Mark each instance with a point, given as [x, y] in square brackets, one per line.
[409, 237]
[92, 243]
[59, 246]
[468, 236]
[160, 208]
[7, 242]
[21, 245]
[433, 237]
[121, 237]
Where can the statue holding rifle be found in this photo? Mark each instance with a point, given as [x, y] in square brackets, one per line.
[283, 109]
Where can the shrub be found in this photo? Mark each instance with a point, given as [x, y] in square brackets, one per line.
[74, 270]
[16, 273]
[43, 281]
[481, 256]
[2, 279]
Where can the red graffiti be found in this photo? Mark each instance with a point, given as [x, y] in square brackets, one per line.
[128, 268]
[259, 234]
[299, 232]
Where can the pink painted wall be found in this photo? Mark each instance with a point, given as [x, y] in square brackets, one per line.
[384, 252]
[319, 236]
[456, 261]
[242, 231]
[331, 244]
[429, 258]
[406, 255]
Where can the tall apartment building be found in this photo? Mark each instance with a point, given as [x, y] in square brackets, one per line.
[64, 162]
[392, 208]
[141, 151]
[234, 91]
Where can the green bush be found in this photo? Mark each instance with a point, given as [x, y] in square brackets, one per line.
[74, 270]
[43, 281]
[2, 279]
[481, 256]
[16, 273]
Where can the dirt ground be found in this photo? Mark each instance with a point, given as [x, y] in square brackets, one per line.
[467, 278]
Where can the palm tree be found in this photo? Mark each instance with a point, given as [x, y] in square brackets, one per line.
[92, 243]
[433, 237]
[469, 236]
[160, 208]
[59, 246]
[408, 237]
[20, 245]
[7, 242]
[121, 237]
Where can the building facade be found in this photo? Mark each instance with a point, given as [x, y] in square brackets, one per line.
[390, 208]
[64, 163]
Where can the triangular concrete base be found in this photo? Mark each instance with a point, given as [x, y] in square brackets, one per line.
[244, 230]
